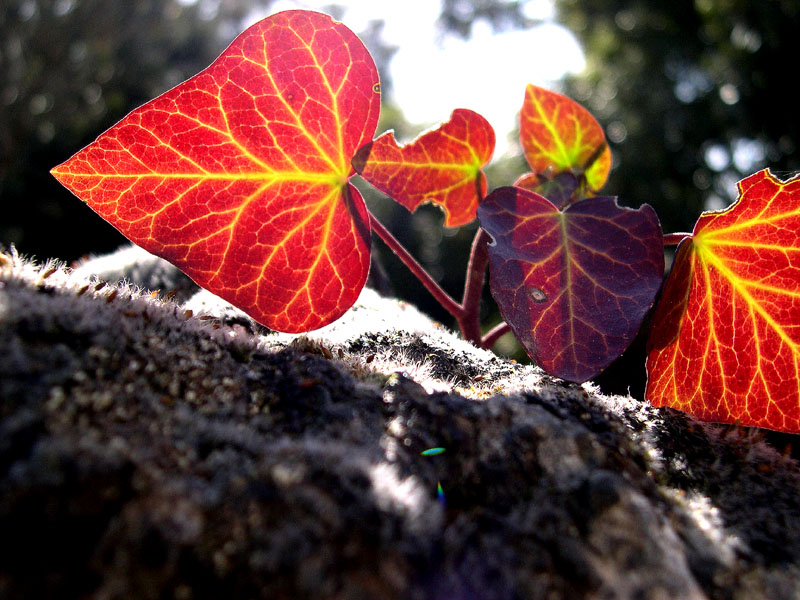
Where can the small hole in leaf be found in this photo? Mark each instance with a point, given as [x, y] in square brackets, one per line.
[537, 295]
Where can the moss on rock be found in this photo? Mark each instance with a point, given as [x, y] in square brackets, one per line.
[169, 447]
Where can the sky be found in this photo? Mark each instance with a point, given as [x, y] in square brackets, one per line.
[434, 74]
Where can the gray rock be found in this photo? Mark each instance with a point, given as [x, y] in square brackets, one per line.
[155, 447]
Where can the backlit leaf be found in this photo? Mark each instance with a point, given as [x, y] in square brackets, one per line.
[725, 343]
[574, 285]
[558, 134]
[239, 176]
[441, 166]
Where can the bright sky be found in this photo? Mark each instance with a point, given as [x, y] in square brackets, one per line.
[434, 74]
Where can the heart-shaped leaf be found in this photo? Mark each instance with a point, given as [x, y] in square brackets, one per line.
[558, 135]
[239, 176]
[726, 341]
[441, 166]
[574, 285]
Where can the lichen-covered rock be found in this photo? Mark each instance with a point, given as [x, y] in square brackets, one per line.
[162, 445]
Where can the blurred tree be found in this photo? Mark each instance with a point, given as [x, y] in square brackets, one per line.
[458, 16]
[694, 95]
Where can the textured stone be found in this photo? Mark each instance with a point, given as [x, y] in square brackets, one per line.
[162, 445]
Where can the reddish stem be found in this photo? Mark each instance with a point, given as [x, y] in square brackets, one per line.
[417, 269]
[468, 312]
[494, 334]
[473, 288]
[673, 239]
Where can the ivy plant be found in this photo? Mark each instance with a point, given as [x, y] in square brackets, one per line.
[241, 176]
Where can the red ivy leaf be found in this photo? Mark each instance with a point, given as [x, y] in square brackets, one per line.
[558, 135]
[574, 285]
[441, 166]
[726, 341]
[239, 176]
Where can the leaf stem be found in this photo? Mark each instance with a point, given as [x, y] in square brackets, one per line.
[417, 269]
[673, 239]
[494, 334]
[473, 288]
[468, 312]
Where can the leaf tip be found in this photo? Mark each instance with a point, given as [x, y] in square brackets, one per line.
[60, 171]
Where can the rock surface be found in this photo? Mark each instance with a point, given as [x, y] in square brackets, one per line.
[162, 445]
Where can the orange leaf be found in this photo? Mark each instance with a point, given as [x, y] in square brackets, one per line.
[725, 344]
[239, 176]
[441, 166]
[558, 135]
